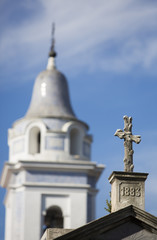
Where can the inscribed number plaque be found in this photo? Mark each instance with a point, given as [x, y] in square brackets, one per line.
[131, 191]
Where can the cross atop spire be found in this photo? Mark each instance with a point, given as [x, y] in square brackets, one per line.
[52, 52]
[128, 139]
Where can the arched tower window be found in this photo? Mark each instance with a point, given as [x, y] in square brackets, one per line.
[53, 218]
[75, 142]
[34, 140]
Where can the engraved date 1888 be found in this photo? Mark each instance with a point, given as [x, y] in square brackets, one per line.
[131, 191]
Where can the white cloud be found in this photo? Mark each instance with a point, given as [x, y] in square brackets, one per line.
[85, 29]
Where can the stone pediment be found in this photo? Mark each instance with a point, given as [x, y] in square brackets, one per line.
[127, 223]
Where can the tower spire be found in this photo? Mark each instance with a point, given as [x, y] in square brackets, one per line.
[52, 52]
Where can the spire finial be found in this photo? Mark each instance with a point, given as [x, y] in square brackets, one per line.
[52, 52]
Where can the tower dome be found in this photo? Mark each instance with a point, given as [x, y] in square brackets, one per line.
[50, 96]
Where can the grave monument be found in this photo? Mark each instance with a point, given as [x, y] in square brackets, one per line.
[128, 187]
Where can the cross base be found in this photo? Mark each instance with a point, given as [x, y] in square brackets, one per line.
[127, 188]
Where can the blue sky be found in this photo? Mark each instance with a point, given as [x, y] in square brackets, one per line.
[108, 52]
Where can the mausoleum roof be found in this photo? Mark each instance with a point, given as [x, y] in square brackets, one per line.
[127, 223]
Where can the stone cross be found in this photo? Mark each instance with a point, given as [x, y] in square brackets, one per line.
[128, 139]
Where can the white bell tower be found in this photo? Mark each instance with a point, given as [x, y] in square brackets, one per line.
[49, 178]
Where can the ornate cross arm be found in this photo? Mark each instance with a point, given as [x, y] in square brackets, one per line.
[128, 139]
[136, 138]
[119, 133]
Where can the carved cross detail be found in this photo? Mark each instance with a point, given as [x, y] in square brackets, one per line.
[128, 139]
